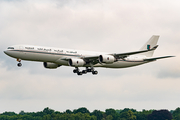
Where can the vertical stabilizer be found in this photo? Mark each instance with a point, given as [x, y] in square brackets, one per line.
[152, 42]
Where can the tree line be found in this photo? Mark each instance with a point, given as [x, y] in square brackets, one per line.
[84, 114]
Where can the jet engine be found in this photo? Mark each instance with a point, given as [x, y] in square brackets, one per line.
[108, 59]
[50, 65]
[76, 62]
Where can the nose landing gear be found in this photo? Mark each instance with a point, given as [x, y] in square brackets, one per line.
[19, 64]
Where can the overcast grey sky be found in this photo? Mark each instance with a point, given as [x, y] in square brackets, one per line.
[95, 25]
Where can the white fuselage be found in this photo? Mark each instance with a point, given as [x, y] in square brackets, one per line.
[57, 56]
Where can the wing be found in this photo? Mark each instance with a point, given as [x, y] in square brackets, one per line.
[155, 58]
[124, 55]
[94, 59]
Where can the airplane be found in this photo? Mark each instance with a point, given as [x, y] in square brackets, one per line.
[53, 58]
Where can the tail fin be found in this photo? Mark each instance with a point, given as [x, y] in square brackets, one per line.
[152, 42]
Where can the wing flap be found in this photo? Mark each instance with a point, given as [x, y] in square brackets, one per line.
[91, 59]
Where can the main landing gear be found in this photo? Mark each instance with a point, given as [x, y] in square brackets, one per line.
[19, 64]
[94, 72]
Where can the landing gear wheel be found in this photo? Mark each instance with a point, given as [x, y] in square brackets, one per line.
[84, 71]
[79, 73]
[75, 71]
[89, 70]
[94, 72]
[19, 64]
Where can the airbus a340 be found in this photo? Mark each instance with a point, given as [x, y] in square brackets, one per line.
[55, 57]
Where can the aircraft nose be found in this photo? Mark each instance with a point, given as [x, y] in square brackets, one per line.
[6, 52]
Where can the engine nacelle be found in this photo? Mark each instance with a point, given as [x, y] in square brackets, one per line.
[108, 59]
[50, 65]
[76, 62]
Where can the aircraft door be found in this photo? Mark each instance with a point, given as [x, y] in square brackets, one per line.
[21, 47]
[22, 53]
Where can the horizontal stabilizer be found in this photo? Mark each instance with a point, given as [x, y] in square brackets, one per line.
[153, 59]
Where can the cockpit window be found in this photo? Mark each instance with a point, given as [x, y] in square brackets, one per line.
[10, 47]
